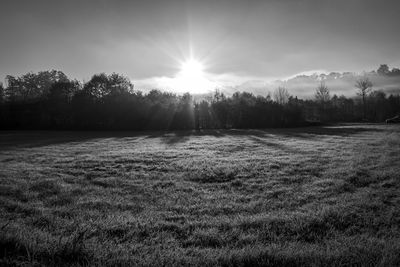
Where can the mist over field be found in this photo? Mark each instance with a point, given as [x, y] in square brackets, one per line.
[302, 86]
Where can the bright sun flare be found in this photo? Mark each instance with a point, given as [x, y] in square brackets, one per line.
[192, 78]
[192, 69]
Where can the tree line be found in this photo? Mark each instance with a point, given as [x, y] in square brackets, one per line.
[51, 100]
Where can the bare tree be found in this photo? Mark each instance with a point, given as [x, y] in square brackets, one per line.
[1, 93]
[364, 86]
[281, 95]
[322, 97]
[322, 93]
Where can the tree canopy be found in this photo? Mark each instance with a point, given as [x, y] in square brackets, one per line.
[51, 100]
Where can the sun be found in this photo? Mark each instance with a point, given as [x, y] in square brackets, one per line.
[192, 78]
[192, 69]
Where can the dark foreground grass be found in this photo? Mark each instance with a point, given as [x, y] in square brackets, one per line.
[326, 196]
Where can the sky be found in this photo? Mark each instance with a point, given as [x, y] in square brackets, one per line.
[236, 41]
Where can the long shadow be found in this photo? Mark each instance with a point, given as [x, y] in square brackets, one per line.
[174, 137]
[259, 135]
[315, 132]
[27, 139]
[265, 142]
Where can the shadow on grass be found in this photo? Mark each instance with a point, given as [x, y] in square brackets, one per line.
[261, 136]
[28, 139]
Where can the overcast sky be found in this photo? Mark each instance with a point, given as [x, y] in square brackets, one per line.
[234, 39]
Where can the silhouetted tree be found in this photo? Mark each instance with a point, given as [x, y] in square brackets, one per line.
[161, 109]
[342, 108]
[220, 110]
[58, 103]
[205, 119]
[383, 69]
[378, 109]
[281, 95]
[393, 105]
[322, 93]
[104, 102]
[197, 116]
[364, 86]
[322, 97]
[293, 112]
[184, 114]
[2, 95]
[49, 99]
[32, 86]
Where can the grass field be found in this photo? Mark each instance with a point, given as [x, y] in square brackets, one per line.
[322, 196]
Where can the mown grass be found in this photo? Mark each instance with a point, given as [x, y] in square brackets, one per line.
[322, 196]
